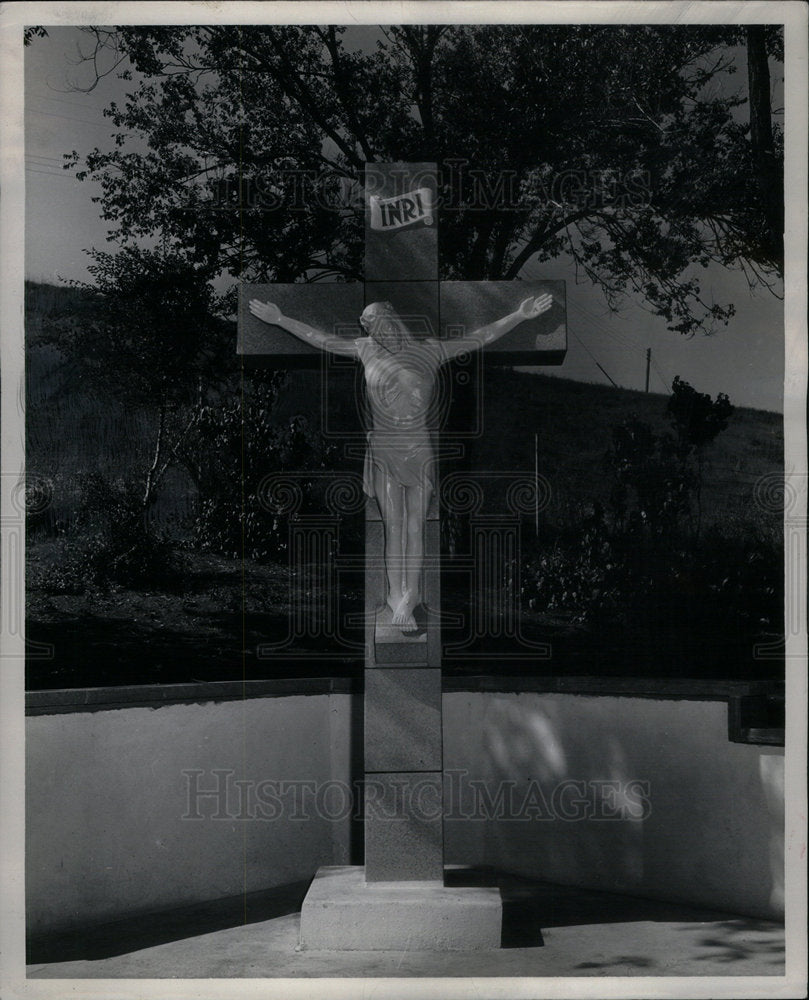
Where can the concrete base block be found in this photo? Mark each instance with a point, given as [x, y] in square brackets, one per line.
[342, 912]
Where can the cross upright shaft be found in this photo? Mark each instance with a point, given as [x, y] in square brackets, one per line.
[403, 731]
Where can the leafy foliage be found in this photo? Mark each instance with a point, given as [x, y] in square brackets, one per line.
[697, 418]
[35, 31]
[241, 441]
[652, 486]
[600, 572]
[146, 329]
[658, 479]
[147, 332]
[644, 557]
[111, 542]
[624, 147]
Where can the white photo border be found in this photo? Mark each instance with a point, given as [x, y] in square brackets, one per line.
[793, 14]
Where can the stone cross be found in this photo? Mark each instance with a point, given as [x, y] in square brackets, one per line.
[403, 727]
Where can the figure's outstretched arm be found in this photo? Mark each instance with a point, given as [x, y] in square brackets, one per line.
[529, 309]
[270, 313]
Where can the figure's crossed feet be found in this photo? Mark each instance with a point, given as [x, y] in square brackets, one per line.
[403, 612]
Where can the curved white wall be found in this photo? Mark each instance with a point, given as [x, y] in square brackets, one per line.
[107, 796]
[714, 833]
[107, 804]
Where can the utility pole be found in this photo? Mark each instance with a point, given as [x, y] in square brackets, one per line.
[648, 362]
[536, 483]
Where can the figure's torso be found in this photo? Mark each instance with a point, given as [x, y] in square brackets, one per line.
[400, 385]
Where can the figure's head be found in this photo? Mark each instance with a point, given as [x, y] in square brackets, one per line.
[381, 322]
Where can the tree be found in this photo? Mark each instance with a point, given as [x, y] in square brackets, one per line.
[242, 441]
[618, 145]
[146, 332]
[767, 199]
[35, 31]
[663, 474]
[697, 420]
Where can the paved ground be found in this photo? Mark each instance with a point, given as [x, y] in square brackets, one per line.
[547, 931]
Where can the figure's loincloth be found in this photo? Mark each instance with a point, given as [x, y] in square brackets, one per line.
[407, 459]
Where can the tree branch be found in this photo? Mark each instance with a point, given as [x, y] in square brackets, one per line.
[341, 83]
[294, 87]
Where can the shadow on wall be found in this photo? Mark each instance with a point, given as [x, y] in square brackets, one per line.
[574, 773]
[621, 794]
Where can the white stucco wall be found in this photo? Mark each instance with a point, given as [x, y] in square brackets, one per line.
[713, 830]
[107, 804]
[108, 833]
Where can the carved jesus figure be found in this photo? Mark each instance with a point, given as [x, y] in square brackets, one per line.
[400, 376]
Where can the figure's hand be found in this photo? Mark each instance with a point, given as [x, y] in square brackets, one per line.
[533, 307]
[267, 311]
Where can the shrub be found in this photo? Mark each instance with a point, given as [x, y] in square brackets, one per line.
[65, 571]
[116, 542]
[239, 443]
[646, 557]
[599, 569]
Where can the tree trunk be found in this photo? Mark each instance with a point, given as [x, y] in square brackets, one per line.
[151, 475]
[769, 174]
[758, 81]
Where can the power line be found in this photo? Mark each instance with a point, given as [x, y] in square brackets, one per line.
[33, 170]
[42, 161]
[658, 372]
[80, 121]
[621, 340]
[608, 375]
[587, 349]
[597, 322]
[59, 100]
[44, 168]
[593, 358]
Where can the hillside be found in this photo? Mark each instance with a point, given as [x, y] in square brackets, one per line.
[574, 422]
[70, 430]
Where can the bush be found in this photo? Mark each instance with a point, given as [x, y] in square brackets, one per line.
[579, 573]
[115, 542]
[646, 558]
[240, 443]
[625, 572]
[64, 573]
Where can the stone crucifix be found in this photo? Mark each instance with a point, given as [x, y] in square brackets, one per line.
[402, 325]
[400, 375]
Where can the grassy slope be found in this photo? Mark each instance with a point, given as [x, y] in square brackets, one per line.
[574, 421]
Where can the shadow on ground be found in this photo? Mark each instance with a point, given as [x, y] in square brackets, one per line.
[121, 937]
[530, 905]
[532, 912]
[548, 930]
